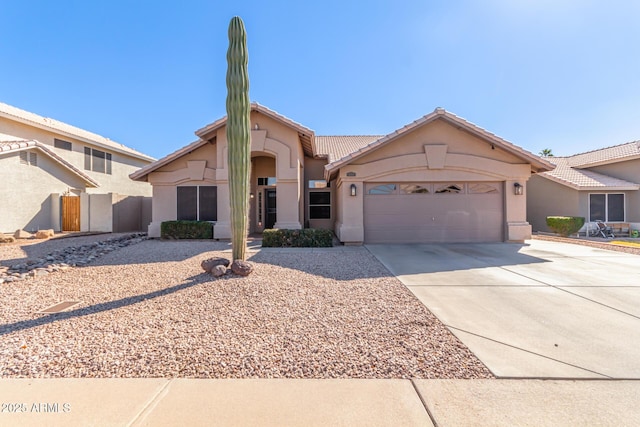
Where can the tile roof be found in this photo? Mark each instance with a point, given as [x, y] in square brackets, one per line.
[337, 147]
[10, 144]
[628, 151]
[582, 179]
[26, 117]
[537, 164]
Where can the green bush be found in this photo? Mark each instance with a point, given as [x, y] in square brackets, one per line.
[305, 238]
[186, 230]
[565, 225]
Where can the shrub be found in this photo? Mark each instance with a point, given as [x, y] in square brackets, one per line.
[305, 238]
[565, 225]
[186, 230]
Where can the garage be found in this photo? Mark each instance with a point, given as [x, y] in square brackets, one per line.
[432, 212]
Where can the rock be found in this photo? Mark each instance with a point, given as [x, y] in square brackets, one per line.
[208, 264]
[44, 234]
[6, 239]
[218, 271]
[21, 234]
[241, 268]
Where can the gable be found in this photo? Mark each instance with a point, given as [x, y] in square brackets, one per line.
[439, 132]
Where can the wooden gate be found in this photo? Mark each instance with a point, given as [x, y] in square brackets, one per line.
[70, 213]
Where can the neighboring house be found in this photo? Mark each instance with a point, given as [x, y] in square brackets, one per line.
[438, 179]
[598, 185]
[57, 176]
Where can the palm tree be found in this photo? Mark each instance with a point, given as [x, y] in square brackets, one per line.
[546, 152]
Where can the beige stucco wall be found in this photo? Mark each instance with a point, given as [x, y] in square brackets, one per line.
[26, 192]
[314, 170]
[122, 164]
[435, 152]
[207, 165]
[548, 198]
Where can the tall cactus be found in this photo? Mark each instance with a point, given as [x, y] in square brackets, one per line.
[238, 136]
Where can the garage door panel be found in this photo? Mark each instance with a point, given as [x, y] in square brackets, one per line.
[449, 217]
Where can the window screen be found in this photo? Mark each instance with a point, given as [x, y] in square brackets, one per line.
[615, 207]
[320, 205]
[187, 203]
[208, 199]
[64, 145]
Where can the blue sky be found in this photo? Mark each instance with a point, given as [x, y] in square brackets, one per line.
[560, 74]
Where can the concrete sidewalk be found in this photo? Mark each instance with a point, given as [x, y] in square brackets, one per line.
[236, 402]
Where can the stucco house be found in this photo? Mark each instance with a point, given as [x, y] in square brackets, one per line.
[600, 185]
[57, 176]
[438, 179]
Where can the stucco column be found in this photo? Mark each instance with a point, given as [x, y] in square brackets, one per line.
[288, 205]
[222, 227]
[55, 218]
[350, 229]
[518, 229]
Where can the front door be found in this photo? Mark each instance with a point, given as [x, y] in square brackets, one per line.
[270, 207]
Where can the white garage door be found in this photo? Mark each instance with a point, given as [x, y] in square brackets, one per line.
[433, 212]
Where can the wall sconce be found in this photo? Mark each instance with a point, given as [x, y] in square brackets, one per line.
[251, 195]
[518, 189]
[354, 190]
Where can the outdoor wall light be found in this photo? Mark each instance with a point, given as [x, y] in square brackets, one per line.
[251, 195]
[354, 190]
[518, 189]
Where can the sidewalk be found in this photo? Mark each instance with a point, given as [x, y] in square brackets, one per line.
[235, 402]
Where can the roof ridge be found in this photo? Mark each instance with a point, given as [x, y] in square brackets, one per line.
[637, 142]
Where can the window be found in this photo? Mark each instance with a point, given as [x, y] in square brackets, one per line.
[320, 205]
[267, 180]
[413, 189]
[606, 207]
[318, 183]
[449, 188]
[197, 203]
[63, 145]
[383, 189]
[482, 188]
[29, 158]
[97, 161]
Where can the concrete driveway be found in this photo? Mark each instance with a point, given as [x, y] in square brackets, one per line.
[535, 310]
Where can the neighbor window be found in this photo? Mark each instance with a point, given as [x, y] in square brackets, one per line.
[63, 145]
[197, 203]
[97, 161]
[606, 207]
[320, 205]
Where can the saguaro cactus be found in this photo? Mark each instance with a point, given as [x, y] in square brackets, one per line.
[238, 136]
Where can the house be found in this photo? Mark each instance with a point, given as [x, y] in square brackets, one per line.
[57, 176]
[438, 179]
[600, 185]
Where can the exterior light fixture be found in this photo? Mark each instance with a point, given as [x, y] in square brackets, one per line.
[518, 189]
[354, 190]
[251, 195]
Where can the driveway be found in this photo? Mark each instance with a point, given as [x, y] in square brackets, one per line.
[535, 310]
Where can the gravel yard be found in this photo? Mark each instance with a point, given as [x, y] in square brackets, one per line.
[148, 310]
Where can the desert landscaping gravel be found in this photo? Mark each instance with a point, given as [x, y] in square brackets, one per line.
[148, 310]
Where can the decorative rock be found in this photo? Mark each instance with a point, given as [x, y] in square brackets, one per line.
[6, 239]
[208, 264]
[218, 271]
[44, 234]
[241, 268]
[21, 234]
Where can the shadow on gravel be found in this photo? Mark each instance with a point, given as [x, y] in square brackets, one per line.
[105, 306]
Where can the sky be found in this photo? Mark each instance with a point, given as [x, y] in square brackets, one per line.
[557, 74]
